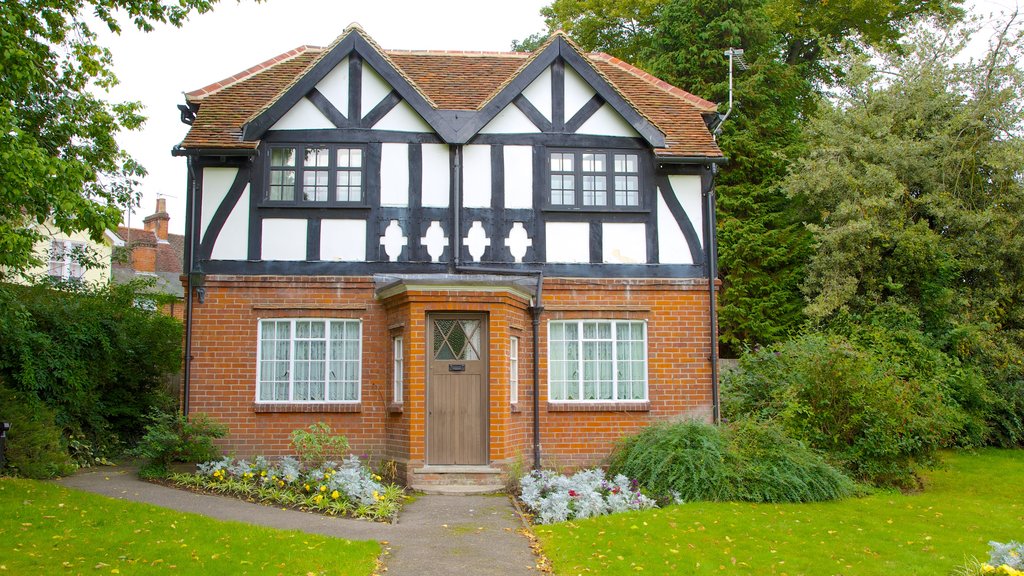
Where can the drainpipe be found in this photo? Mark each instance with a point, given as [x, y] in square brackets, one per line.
[189, 259]
[712, 268]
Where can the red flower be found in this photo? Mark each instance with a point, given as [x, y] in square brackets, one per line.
[573, 494]
[615, 490]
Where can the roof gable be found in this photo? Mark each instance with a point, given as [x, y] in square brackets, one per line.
[356, 47]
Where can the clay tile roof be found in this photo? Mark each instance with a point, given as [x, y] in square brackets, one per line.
[447, 80]
[169, 255]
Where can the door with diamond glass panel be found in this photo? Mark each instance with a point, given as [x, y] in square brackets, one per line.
[457, 390]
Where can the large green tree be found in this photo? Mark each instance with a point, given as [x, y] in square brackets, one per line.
[59, 161]
[791, 47]
[915, 175]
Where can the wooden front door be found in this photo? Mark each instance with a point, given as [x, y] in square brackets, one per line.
[457, 390]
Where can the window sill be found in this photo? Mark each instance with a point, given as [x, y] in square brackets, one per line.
[312, 204]
[515, 408]
[396, 408]
[644, 406]
[269, 407]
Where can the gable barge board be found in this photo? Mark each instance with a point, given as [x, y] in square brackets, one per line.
[649, 131]
[352, 45]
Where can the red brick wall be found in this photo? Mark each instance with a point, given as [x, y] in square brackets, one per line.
[224, 362]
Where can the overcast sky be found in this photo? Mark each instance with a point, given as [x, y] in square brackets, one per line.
[156, 68]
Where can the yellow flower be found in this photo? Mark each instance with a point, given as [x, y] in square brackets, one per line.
[376, 495]
[263, 473]
[376, 477]
[323, 488]
[280, 484]
[335, 494]
[306, 487]
[318, 498]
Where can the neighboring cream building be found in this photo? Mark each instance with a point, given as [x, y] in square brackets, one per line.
[58, 251]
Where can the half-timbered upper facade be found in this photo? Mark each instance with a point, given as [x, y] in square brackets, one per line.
[366, 225]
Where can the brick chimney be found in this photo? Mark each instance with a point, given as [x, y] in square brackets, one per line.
[157, 222]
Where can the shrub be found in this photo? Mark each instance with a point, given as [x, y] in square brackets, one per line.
[844, 401]
[171, 437]
[91, 355]
[34, 447]
[556, 498]
[752, 462]
[317, 445]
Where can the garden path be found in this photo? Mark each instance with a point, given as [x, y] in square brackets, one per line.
[435, 535]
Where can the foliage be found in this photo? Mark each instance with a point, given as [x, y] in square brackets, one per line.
[845, 401]
[791, 48]
[913, 177]
[89, 354]
[34, 446]
[753, 462]
[556, 498]
[1009, 554]
[317, 445]
[48, 529]
[972, 499]
[346, 489]
[60, 160]
[173, 437]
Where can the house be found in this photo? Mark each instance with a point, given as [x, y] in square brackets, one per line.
[152, 253]
[74, 256]
[458, 260]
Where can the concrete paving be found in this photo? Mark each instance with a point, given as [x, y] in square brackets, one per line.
[435, 535]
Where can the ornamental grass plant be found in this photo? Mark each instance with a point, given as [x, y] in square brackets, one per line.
[744, 462]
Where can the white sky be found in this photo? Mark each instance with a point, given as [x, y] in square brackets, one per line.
[156, 68]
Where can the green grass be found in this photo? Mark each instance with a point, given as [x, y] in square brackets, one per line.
[47, 529]
[974, 498]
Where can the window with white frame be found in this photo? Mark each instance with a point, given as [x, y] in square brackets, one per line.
[513, 369]
[316, 174]
[595, 360]
[398, 369]
[309, 360]
[594, 179]
[64, 260]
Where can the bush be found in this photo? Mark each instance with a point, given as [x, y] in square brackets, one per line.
[317, 445]
[844, 401]
[91, 355]
[171, 437]
[34, 448]
[750, 462]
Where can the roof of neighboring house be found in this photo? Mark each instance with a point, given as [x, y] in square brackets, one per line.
[450, 81]
[168, 261]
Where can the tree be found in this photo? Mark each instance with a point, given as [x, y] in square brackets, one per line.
[58, 157]
[789, 46]
[914, 174]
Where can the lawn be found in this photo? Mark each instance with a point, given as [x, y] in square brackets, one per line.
[973, 498]
[47, 529]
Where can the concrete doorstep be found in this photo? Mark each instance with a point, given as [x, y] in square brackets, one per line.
[437, 534]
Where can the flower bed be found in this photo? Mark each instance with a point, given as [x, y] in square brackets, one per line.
[348, 489]
[553, 498]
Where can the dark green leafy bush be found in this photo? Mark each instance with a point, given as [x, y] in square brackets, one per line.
[35, 448]
[752, 462]
[91, 355]
[846, 402]
[171, 437]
